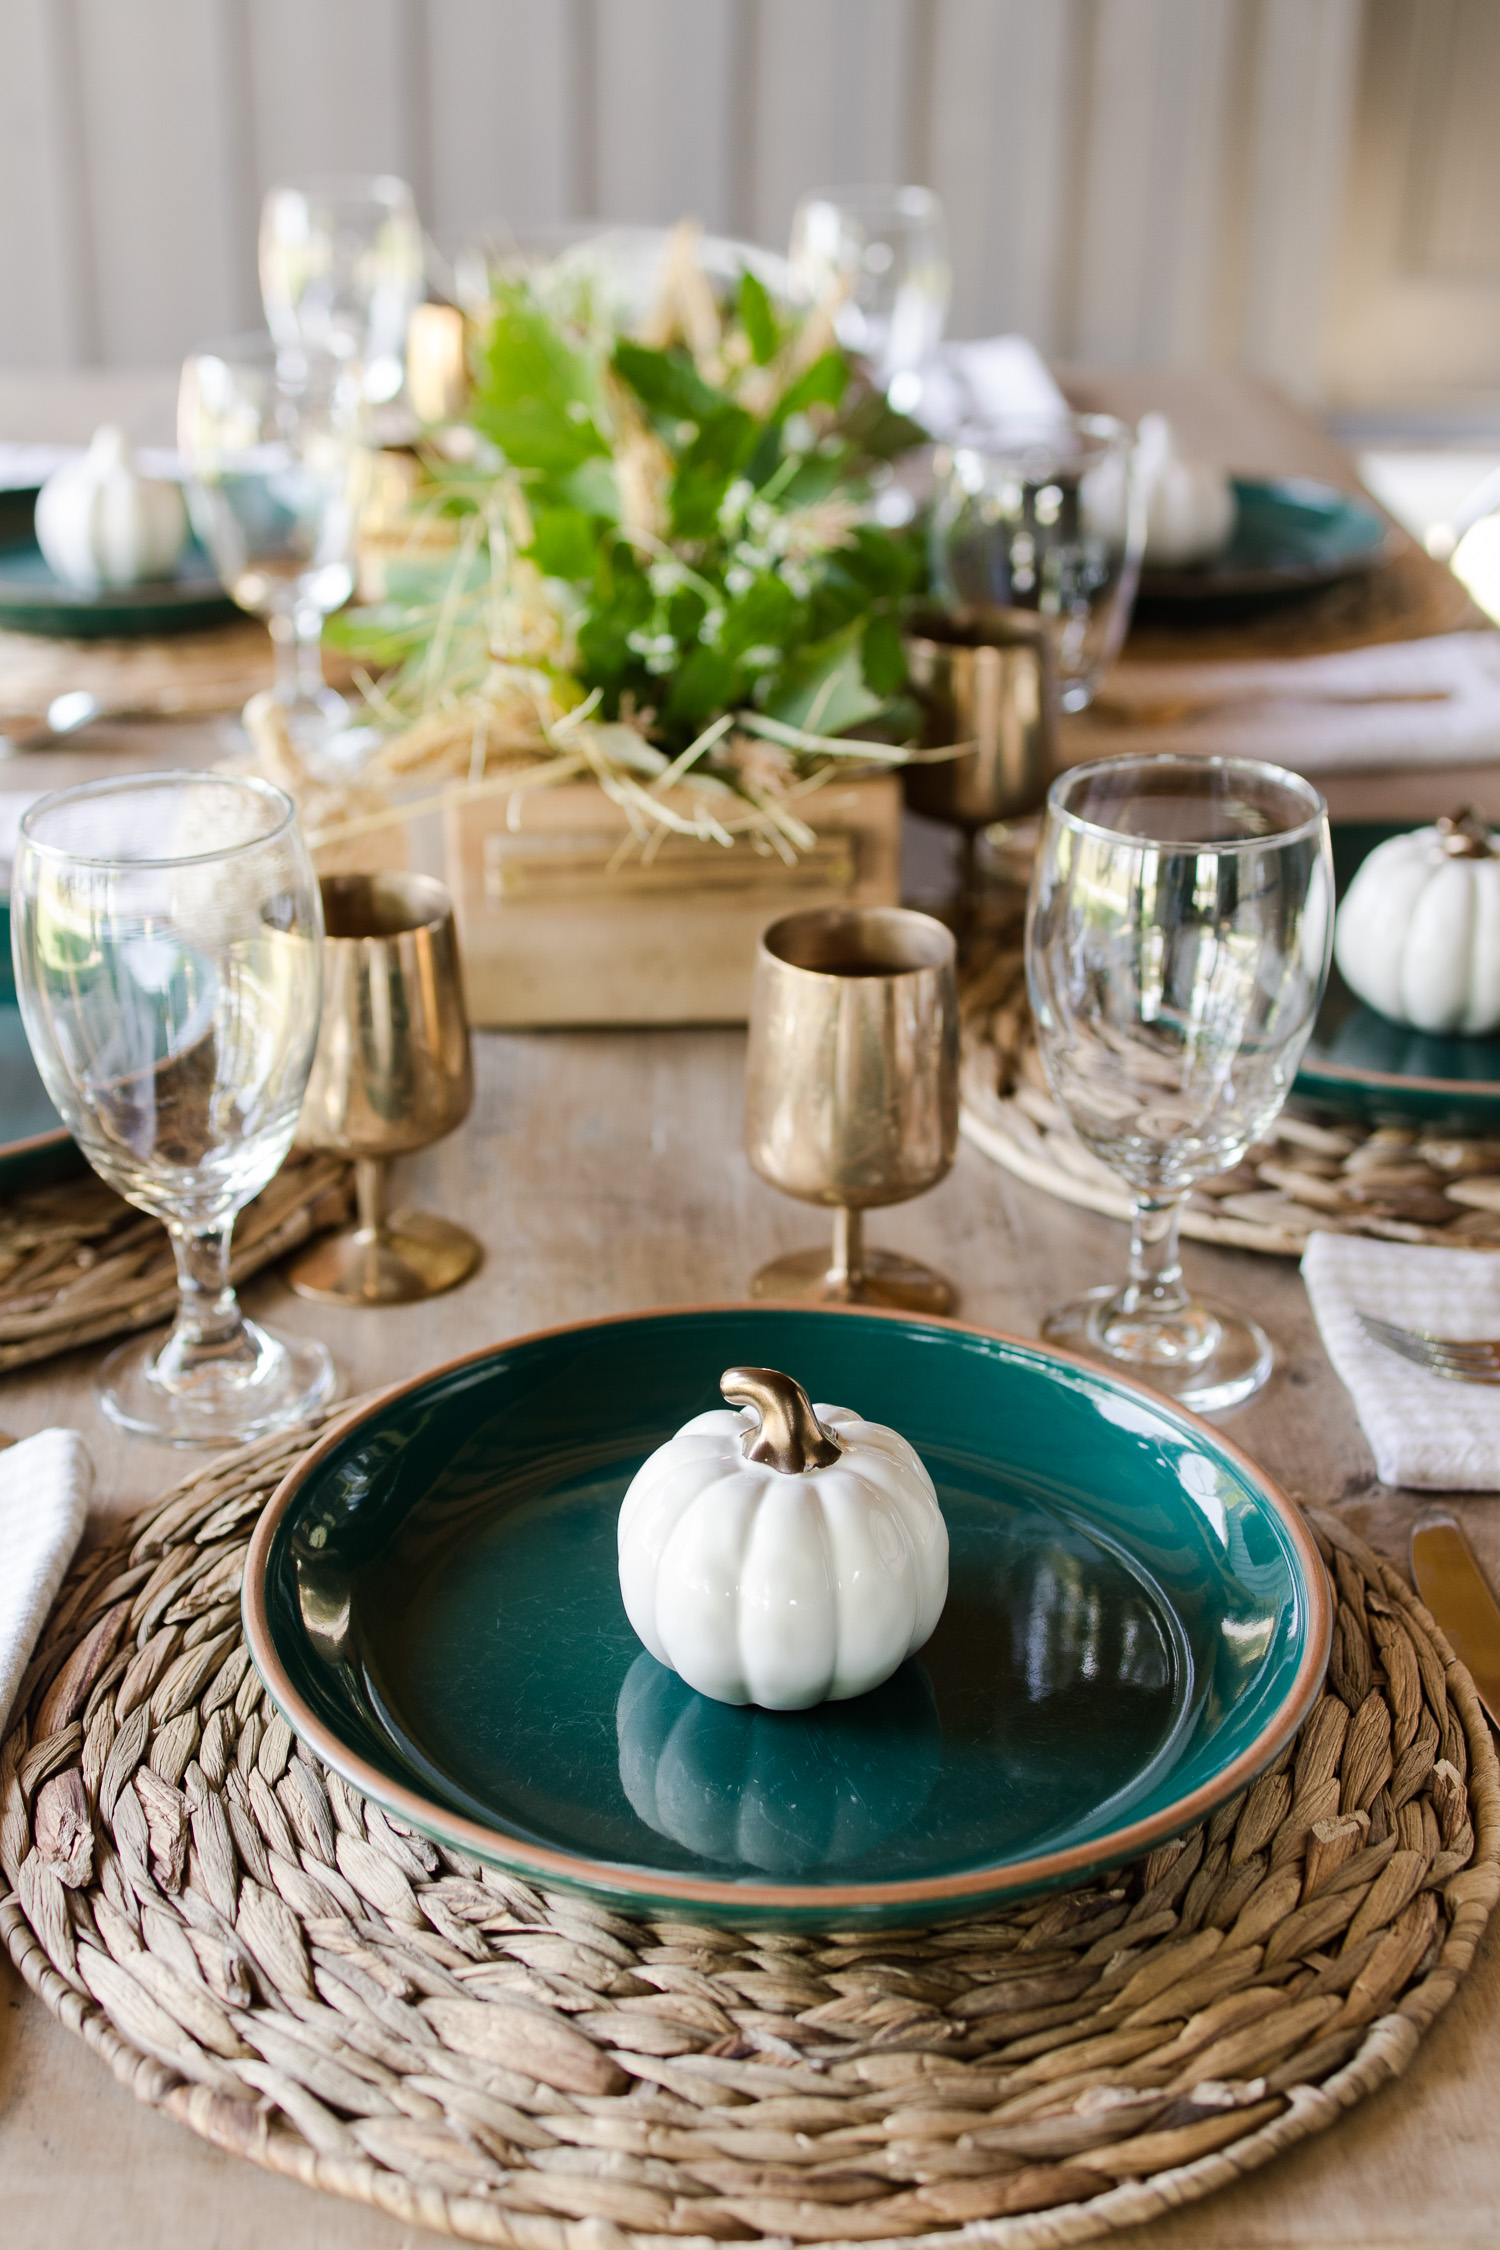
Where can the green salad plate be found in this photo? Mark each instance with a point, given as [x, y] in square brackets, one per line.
[35, 1145]
[33, 599]
[1291, 535]
[1137, 1622]
[1360, 1064]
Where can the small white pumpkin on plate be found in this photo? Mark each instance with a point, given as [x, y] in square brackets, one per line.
[1418, 933]
[100, 522]
[786, 1555]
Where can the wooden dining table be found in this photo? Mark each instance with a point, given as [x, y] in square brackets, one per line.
[603, 1171]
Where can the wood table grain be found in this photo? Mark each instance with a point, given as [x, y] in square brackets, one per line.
[603, 1173]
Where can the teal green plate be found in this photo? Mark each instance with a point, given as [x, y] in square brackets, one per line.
[34, 600]
[1362, 1065]
[35, 1145]
[1137, 1622]
[1290, 534]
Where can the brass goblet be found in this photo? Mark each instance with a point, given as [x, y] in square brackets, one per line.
[392, 1073]
[990, 681]
[851, 1095]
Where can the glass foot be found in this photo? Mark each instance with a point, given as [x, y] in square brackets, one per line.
[411, 1257]
[808, 1277]
[1210, 1359]
[261, 1382]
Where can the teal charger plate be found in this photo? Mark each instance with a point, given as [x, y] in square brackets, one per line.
[34, 600]
[35, 1145]
[1362, 1065]
[1291, 535]
[1137, 1623]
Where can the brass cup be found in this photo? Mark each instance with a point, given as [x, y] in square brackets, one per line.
[851, 1091]
[392, 1074]
[992, 683]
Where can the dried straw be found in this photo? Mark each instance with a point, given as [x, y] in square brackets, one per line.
[257, 1951]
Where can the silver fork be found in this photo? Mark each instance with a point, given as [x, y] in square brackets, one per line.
[1457, 1358]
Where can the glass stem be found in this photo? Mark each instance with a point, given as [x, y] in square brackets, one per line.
[297, 641]
[209, 1323]
[1154, 1289]
[309, 626]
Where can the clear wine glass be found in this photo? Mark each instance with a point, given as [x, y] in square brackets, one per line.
[168, 940]
[275, 480]
[880, 254]
[1177, 942]
[1043, 516]
[341, 271]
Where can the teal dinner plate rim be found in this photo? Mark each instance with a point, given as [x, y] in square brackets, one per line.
[1310, 1075]
[633, 1888]
[1216, 580]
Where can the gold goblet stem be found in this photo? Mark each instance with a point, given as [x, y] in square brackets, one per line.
[848, 1248]
[372, 1196]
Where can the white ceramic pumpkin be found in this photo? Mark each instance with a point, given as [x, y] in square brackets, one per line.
[786, 1555]
[99, 522]
[1190, 515]
[1418, 934]
[1190, 505]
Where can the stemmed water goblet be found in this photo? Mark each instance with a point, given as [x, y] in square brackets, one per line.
[879, 255]
[1042, 520]
[1178, 937]
[275, 479]
[168, 951]
[341, 272]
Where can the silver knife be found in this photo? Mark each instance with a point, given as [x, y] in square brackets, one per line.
[1458, 1594]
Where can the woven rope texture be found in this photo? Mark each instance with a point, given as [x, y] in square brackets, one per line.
[78, 1264]
[1389, 1181]
[261, 1954]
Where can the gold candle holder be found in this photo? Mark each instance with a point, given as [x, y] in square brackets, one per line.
[437, 363]
[391, 1075]
[851, 1092]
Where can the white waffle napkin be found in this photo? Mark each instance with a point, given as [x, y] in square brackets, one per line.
[1425, 1430]
[45, 1483]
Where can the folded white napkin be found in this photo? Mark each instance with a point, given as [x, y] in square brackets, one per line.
[1401, 703]
[967, 385]
[1425, 1430]
[45, 1483]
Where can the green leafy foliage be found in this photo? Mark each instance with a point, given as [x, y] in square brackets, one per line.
[748, 579]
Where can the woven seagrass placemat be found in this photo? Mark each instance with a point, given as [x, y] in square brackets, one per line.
[1308, 1174]
[78, 1263]
[257, 1951]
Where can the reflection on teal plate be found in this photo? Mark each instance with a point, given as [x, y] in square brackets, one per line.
[35, 1145]
[1363, 1065]
[34, 600]
[1290, 534]
[1138, 1621]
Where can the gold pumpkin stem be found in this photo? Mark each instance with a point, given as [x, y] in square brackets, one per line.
[1465, 836]
[790, 1437]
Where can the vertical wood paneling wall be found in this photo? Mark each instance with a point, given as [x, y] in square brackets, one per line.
[1131, 181]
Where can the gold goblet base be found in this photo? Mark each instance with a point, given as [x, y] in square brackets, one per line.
[413, 1256]
[806, 1277]
[853, 1275]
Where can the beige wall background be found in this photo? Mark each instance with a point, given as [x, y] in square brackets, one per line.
[1308, 189]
